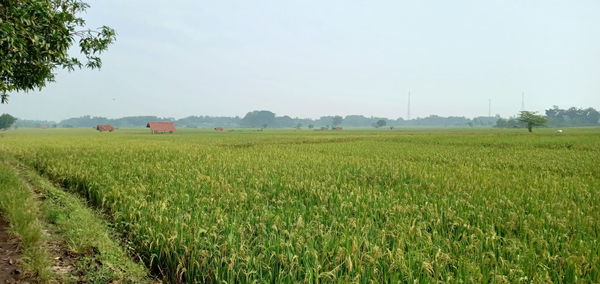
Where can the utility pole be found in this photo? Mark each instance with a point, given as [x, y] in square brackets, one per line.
[489, 107]
[523, 101]
[408, 108]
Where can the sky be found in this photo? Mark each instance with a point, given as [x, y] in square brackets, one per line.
[314, 58]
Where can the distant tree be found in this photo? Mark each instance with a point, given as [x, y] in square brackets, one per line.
[336, 120]
[35, 39]
[262, 118]
[380, 123]
[299, 125]
[532, 119]
[483, 121]
[357, 121]
[435, 120]
[572, 116]
[501, 123]
[208, 122]
[509, 123]
[6, 121]
[311, 126]
[284, 122]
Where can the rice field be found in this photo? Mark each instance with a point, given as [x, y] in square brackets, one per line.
[347, 206]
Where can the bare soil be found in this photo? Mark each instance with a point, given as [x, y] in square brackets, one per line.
[64, 263]
[10, 272]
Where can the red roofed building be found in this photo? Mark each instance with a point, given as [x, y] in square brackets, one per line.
[219, 129]
[161, 127]
[104, 127]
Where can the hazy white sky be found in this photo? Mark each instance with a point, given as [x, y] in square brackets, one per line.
[312, 58]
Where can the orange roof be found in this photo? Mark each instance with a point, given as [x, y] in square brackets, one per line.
[104, 127]
[161, 126]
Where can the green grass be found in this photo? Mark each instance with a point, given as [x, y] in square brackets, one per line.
[20, 209]
[350, 206]
[60, 217]
[86, 235]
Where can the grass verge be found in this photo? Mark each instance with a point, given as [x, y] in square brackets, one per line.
[21, 210]
[62, 239]
[85, 234]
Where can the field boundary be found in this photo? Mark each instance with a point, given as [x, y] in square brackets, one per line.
[21, 211]
[76, 244]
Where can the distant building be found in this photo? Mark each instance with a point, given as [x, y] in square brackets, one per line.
[105, 127]
[161, 127]
[338, 128]
[219, 129]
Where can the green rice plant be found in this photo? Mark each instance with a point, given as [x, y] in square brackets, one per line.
[348, 206]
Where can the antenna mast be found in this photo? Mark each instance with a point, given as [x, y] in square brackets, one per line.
[408, 112]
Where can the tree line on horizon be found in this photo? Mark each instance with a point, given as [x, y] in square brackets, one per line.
[556, 117]
[262, 119]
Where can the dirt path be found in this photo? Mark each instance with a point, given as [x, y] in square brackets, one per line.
[10, 272]
[91, 258]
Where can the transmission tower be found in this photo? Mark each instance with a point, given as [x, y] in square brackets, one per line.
[408, 107]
